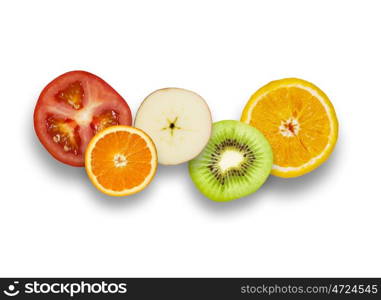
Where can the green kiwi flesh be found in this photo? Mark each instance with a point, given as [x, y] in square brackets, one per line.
[235, 163]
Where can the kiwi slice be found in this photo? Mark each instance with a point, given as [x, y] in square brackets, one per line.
[235, 163]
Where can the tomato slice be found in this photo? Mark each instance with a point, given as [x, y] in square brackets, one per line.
[72, 109]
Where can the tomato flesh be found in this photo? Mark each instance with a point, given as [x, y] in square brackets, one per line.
[64, 132]
[72, 95]
[72, 109]
[104, 120]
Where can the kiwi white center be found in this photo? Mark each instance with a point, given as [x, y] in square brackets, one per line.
[120, 160]
[230, 159]
[289, 128]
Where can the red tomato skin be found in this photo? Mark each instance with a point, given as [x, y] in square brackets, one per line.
[40, 129]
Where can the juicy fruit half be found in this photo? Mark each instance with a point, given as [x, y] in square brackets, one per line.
[298, 120]
[121, 160]
[178, 121]
[235, 163]
[71, 109]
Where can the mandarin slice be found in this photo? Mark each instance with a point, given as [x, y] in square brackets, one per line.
[121, 160]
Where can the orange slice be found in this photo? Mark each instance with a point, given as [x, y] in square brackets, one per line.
[298, 120]
[121, 160]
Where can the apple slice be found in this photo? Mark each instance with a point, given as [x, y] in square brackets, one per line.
[178, 121]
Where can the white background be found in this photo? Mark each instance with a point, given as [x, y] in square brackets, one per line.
[53, 222]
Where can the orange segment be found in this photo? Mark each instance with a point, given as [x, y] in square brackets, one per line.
[121, 160]
[299, 121]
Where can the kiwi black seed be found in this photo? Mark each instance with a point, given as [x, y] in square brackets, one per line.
[235, 163]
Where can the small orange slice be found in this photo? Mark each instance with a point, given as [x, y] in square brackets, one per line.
[298, 120]
[121, 160]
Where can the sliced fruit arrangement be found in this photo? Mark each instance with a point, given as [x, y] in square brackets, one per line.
[291, 129]
[299, 121]
[178, 121]
[235, 163]
[121, 160]
[72, 109]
